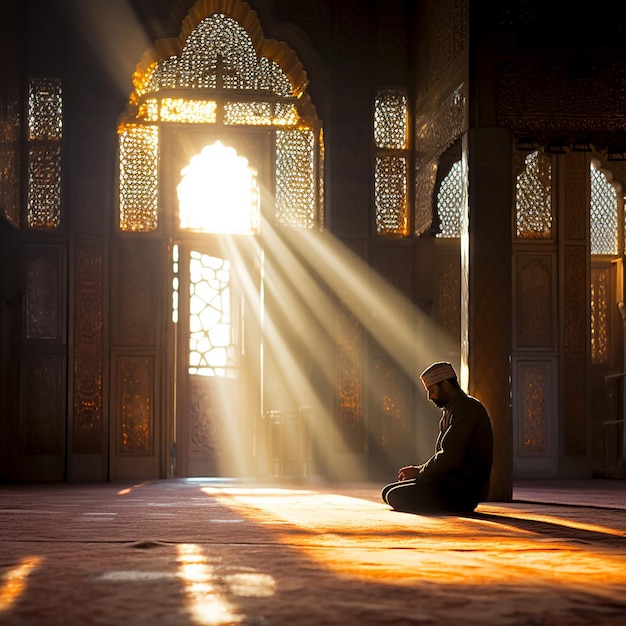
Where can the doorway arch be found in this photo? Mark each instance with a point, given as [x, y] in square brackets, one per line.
[220, 80]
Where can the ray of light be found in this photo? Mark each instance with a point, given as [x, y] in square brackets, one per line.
[14, 581]
[115, 35]
[361, 538]
[212, 597]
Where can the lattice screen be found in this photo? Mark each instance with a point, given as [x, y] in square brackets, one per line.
[533, 198]
[391, 163]
[603, 216]
[247, 90]
[45, 131]
[450, 200]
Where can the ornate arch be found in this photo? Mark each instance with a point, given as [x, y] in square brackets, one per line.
[274, 51]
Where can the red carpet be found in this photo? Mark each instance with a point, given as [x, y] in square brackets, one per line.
[236, 552]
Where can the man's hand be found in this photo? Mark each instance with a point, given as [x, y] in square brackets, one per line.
[408, 472]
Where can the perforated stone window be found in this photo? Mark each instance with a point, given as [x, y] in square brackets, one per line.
[45, 131]
[391, 163]
[219, 78]
[450, 199]
[603, 215]
[533, 198]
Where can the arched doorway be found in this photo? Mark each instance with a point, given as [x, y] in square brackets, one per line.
[216, 304]
[218, 82]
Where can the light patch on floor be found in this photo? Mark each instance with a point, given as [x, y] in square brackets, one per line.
[358, 537]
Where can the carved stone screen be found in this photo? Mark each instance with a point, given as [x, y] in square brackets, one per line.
[245, 89]
[138, 163]
[45, 130]
[213, 340]
[391, 163]
[533, 198]
[450, 199]
[603, 217]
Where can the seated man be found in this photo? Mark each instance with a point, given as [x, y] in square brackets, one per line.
[456, 477]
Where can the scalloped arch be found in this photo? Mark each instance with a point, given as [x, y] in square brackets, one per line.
[277, 51]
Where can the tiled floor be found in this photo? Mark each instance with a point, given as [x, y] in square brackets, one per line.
[240, 552]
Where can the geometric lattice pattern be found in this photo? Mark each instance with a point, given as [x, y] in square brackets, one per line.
[533, 198]
[390, 184]
[391, 120]
[45, 109]
[295, 178]
[45, 131]
[138, 162]
[603, 215]
[212, 339]
[44, 186]
[218, 56]
[391, 123]
[450, 202]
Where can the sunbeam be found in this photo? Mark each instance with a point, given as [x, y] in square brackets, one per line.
[114, 33]
[14, 581]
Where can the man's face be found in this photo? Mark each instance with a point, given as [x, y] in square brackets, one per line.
[438, 394]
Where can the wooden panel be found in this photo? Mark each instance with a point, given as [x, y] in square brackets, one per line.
[43, 362]
[135, 313]
[42, 417]
[535, 417]
[535, 301]
[135, 428]
[44, 296]
[87, 424]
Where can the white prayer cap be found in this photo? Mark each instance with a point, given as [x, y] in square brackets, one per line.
[436, 373]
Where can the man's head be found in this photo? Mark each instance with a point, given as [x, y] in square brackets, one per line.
[440, 382]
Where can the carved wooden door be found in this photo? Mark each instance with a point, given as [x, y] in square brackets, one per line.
[216, 394]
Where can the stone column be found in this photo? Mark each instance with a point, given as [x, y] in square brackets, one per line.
[486, 247]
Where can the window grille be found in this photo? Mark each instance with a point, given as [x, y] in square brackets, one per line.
[391, 163]
[605, 239]
[138, 160]
[533, 198]
[45, 131]
[213, 344]
[450, 202]
[603, 217]
[220, 81]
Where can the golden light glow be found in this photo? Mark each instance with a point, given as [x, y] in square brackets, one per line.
[14, 581]
[219, 193]
[211, 596]
[364, 539]
[188, 111]
[309, 302]
[557, 521]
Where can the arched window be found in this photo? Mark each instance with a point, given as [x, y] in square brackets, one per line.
[216, 178]
[222, 75]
